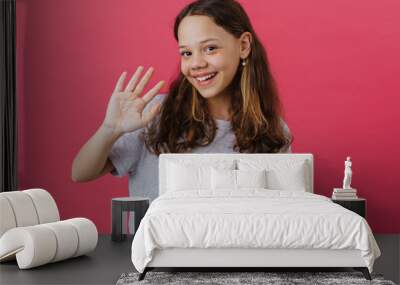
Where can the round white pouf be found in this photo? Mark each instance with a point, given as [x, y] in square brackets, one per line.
[40, 244]
[33, 246]
[88, 235]
[23, 208]
[7, 218]
[46, 207]
[67, 240]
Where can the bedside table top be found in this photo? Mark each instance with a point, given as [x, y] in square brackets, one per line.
[134, 198]
[357, 199]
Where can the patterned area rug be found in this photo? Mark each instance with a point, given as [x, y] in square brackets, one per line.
[243, 278]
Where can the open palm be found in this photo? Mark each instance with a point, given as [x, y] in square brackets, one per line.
[125, 108]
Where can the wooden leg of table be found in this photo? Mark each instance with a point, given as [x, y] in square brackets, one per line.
[116, 220]
[124, 223]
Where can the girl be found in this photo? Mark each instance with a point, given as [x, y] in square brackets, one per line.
[224, 100]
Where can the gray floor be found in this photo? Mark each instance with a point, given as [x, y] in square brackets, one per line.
[389, 262]
[110, 260]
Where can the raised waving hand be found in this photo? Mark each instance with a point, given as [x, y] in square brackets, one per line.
[125, 107]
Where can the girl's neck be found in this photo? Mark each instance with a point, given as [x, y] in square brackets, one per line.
[220, 107]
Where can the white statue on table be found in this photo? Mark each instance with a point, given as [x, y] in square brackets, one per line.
[347, 173]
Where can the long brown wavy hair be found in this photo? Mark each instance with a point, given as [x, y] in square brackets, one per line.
[185, 121]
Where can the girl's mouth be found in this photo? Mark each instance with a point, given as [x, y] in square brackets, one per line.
[206, 80]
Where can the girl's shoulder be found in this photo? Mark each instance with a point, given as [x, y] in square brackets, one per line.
[287, 148]
[285, 127]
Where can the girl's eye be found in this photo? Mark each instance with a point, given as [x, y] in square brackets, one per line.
[187, 53]
[211, 47]
[184, 53]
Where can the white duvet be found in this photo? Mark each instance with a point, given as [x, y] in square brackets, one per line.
[251, 218]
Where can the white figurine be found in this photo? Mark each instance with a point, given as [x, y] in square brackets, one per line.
[347, 173]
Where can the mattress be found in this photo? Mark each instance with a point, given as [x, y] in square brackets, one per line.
[250, 219]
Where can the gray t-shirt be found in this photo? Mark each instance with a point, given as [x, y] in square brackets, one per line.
[130, 156]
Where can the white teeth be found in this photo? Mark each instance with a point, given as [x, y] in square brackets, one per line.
[205, 77]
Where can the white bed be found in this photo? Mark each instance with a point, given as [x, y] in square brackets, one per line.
[283, 224]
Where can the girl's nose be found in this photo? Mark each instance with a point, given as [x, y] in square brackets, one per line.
[197, 62]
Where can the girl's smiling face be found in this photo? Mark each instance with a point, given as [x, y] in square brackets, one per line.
[207, 50]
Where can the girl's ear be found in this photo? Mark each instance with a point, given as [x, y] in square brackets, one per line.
[245, 44]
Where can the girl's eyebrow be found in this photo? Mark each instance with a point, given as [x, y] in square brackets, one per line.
[202, 42]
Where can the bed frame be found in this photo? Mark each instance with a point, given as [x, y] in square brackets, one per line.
[249, 258]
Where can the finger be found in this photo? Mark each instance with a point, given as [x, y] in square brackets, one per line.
[139, 88]
[153, 91]
[132, 83]
[150, 115]
[120, 82]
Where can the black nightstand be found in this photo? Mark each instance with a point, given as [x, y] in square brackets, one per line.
[358, 206]
[138, 205]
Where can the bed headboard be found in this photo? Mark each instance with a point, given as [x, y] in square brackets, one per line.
[208, 158]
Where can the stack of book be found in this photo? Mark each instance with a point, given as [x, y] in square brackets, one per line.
[344, 194]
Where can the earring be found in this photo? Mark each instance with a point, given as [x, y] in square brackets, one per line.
[244, 62]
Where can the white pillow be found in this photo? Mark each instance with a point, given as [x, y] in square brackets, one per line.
[281, 174]
[237, 179]
[251, 178]
[223, 179]
[181, 177]
[288, 179]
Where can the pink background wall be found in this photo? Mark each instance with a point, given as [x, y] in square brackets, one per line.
[337, 64]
